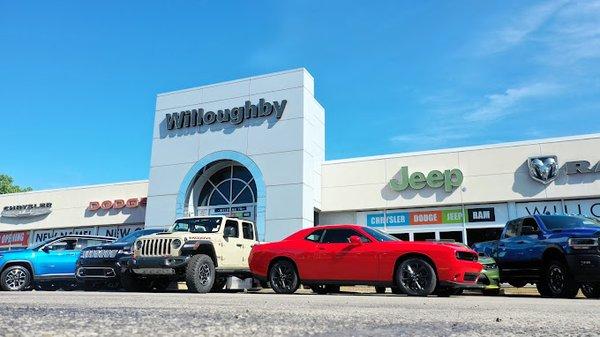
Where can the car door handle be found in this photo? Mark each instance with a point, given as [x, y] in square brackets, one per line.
[239, 245]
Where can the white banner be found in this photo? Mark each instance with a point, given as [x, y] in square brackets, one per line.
[589, 207]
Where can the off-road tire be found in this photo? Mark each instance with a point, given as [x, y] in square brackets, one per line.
[556, 281]
[380, 290]
[283, 277]
[422, 282]
[591, 290]
[200, 274]
[15, 278]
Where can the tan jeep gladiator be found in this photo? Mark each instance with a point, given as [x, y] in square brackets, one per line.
[202, 251]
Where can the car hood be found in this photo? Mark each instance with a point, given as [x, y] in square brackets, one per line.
[107, 246]
[578, 232]
[450, 245]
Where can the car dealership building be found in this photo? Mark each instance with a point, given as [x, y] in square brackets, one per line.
[255, 148]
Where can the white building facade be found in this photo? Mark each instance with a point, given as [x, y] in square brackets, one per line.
[255, 147]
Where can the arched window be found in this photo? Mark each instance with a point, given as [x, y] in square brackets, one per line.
[230, 185]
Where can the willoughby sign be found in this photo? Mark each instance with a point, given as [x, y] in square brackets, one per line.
[235, 115]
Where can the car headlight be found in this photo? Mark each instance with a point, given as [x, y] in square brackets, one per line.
[490, 266]
[139, 244]
[583, 243]
[176, 244]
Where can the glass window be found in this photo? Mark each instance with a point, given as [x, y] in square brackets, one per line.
[402, 236]
[197, 225]
[341, 235]
[530, 222]
[231, 229]
[512, 228]
[424, 236]
[230, 185]
[248, 230]
[88, 242]
[133, 236]
[456, 236]
[475, 235]
[315, 236]
[556, 222]
[63, 244]
[379, 235]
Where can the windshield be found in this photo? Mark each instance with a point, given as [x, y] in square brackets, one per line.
[558, 222]
[379, 235]
[197, 225]
[133, 236]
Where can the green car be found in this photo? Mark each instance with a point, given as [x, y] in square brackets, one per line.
[490, 276]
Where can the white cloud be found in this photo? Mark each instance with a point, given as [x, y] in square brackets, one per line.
[520, 27]
[506, 103]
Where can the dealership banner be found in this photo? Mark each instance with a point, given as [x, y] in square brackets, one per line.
[40, 236]
[14, 239]
[589, 207]
[486, 214]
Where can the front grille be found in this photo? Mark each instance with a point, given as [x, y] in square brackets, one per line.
[471, 276]
[156, 247]
[99, 254]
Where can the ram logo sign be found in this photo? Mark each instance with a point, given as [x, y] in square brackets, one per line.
[543, 168]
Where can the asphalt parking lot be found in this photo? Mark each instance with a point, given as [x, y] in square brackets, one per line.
[38, 313]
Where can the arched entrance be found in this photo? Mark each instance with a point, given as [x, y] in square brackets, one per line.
[224, 183]
[223, 188]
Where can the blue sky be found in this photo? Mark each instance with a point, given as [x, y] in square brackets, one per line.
[78, 79]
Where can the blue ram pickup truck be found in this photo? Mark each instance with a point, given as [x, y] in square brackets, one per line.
[558, 253]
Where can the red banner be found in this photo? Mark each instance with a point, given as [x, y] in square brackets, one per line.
[426, 218]
[14, 239]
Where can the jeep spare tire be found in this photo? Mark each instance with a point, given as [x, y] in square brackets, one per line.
[200, 274]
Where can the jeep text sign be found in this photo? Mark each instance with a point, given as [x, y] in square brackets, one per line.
[449, 179]
[235, 115]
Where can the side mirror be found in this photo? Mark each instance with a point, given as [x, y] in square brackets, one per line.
[529, 230]
[45, 249]
[355, 240]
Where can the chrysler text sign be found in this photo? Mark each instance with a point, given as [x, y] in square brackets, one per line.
[234, 115]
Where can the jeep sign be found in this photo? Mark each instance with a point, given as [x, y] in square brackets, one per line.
[449, 179]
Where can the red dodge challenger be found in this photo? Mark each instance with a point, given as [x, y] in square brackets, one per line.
[326, 257]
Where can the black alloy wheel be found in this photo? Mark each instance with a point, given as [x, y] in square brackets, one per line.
[283, 277]
[416, 277]
[557, 281]
[591, 289]
[200, 274]
[15, 278]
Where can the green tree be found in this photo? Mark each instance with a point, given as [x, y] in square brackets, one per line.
[7, 186]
